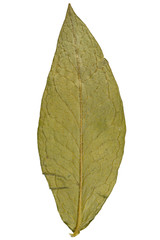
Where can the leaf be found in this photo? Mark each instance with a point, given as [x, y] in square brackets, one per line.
[81, 127]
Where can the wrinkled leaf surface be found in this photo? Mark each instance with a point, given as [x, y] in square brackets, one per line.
[81, 127]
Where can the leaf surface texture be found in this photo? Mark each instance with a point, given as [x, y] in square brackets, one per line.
[81, 127]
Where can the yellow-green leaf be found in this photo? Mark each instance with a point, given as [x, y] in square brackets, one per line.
[81, 127]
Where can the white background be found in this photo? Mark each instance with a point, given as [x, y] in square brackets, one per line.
[128, 32]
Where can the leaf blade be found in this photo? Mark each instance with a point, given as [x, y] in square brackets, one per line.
[82, 127]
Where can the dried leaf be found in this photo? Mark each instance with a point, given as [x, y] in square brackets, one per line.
[81, 127]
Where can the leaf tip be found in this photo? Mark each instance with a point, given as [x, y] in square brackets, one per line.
[70, 9]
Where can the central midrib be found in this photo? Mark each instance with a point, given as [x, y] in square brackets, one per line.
[79, 213]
